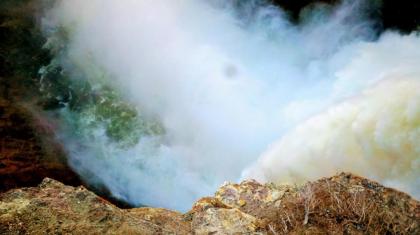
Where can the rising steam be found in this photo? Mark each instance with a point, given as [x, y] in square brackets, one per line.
[375, 135]
[227, 78]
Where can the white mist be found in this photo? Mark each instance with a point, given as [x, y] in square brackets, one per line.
[226, 87]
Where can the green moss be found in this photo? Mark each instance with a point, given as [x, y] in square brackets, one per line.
[82, 87]
[59, 81]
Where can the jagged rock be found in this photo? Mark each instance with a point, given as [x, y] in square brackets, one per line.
[53, 208]
[224, 221]
[212, 216]
[342, 204]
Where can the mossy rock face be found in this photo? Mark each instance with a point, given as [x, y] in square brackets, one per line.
[30, 69]
[85, 91]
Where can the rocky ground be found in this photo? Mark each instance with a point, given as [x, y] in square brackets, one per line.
[342, 204]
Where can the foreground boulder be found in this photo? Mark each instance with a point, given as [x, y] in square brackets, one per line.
[53, 208]
[343, 204]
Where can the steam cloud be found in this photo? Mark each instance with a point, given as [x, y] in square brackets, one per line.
[375, 135]
[228, 78]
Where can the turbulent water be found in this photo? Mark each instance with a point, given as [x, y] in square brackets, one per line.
[227, 80]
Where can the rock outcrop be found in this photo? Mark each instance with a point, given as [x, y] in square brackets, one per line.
[28, 152]
[53, 208]
[342, 204]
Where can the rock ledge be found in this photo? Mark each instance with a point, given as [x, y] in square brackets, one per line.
[342, 204]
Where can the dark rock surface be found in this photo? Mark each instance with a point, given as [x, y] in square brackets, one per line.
[28, 152]
[402, 15]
